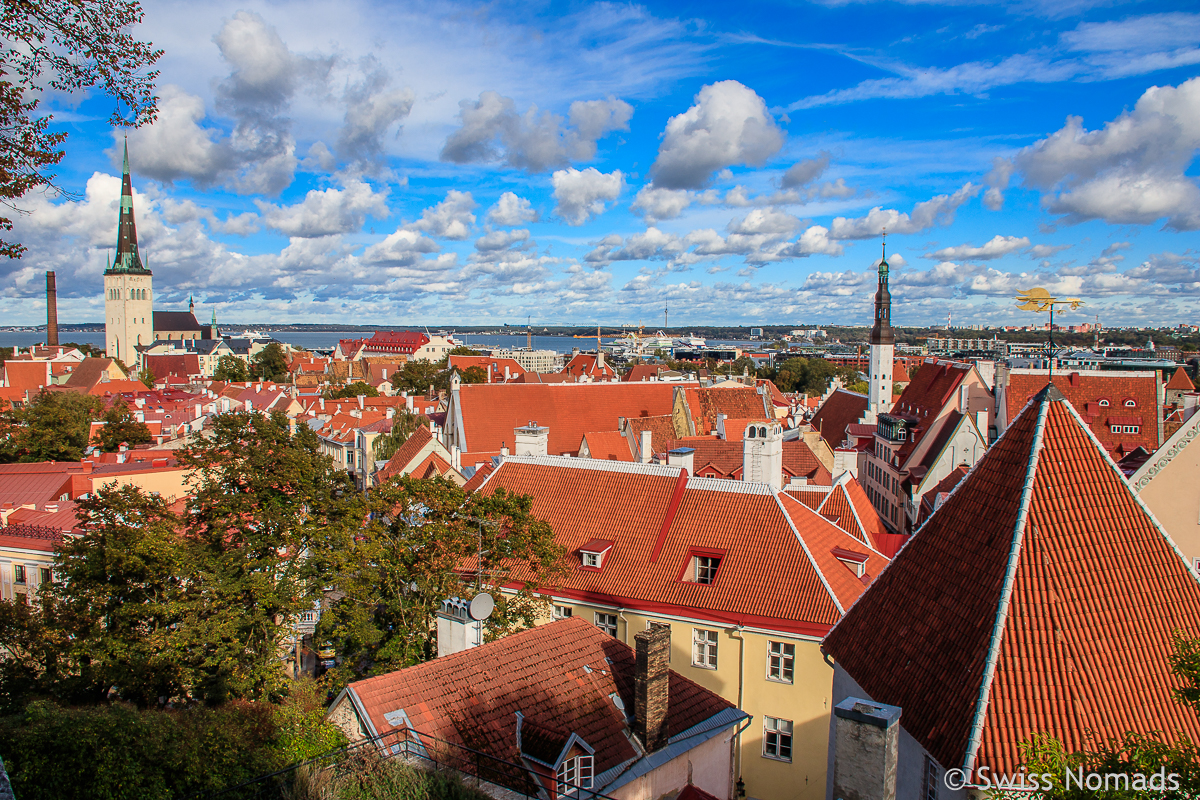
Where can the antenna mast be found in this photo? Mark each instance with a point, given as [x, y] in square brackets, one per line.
[529, 332]
[665, 325]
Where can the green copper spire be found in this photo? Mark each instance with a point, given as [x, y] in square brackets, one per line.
[883, 265]
[128, 259]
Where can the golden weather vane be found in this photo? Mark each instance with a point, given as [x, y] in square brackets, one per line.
[1039, 300]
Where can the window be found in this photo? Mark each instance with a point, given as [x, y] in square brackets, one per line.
[706, 569]
[45, 575]
[575, 773]
[1103, 403]
[781, 660]
[1131, 403]
[607, 623]
[704, 648]
[591, 560]
[929, 780]
[1132, 428]
[18, 573]
[562, 612]
[777, 738]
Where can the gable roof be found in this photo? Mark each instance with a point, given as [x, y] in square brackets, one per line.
[609, 445]
[90, 372]
[1040, 598]
[490, 412]
[175, 321]
[774, 572]
[1180, 381]
[734, 402]
[560, 676]
[840, 410]
[403, 462]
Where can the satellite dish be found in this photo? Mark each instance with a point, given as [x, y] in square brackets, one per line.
[482, 606]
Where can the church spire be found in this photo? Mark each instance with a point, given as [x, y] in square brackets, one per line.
[881, 332]
[127, 258]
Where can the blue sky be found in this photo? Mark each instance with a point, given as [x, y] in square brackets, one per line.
[583, 162]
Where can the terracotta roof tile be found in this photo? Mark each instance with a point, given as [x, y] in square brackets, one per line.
[1084, 631]
[608, 445]
[736, 403]
[1180, 381]
[840, 410]
[402, 460]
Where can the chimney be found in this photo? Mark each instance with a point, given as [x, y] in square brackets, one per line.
[531, 440]
[762, 453]
[682, 457]
[390, 412]
[650, 684]
[51, 310]
[456, 631]
[503, 450]
[646, 446]
[361, 399]
[866, 736]
[456, 458]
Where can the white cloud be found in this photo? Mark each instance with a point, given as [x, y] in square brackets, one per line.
[1132, 171]
[511, 210]
[769, 221]
[1046, 250]
[581, 194]
[402, 248]
[449, 219]
[652, 244]
[996, 247]
[805, 172]
[659, 204]
[501, 240]
[535, 141]
[373, 106]
[728, 125]
[327, 212]
[937, 210]
[815, 240]
[176, 146]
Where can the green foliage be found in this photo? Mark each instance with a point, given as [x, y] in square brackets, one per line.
[812, 375]
[862, 387]
[268, 514]
[474, 374]
[463, 350]
[53, 426]
[404, 424]
[410, 557]
[115, 752]
[417, 376]
[366, 776]
[231, 368]
[351, 390]
[270, 363]
[120, 427]
[147, 377]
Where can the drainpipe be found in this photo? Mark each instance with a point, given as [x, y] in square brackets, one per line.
[741, 687]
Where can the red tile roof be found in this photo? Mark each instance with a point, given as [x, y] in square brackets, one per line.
[772, 573]
[924, 398]
[27, 376]
[643, 372]
[662, 433]
[402, 461]
[720, 458]
[840, 410]
[1040, 598]
[735, 429]
[737, 403]
[1180, 381]
[608, 445]
[490, 412]
[493, 366]
[1086, 393]
[40, 482]
[560, 677]
[481, 474]
[850, 508]
[585, 364]
[183, 365]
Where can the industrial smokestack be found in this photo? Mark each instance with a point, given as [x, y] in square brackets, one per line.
[51, 311]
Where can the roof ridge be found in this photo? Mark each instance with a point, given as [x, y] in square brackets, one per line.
[804, 545]
[868, 545]
[1045, 397]
[600, 465]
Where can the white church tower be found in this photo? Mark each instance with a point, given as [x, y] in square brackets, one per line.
[883, 345]
[128, 290]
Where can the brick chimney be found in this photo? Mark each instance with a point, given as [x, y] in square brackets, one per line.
[51, 310]
[866, 740]
[650, 687]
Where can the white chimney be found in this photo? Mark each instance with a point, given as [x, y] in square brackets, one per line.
[682, 457]
[531, 440]
[361, 399]
[865, 748]
[390, 412]
[456, 458]
[762, 453]
[456, 631]
[646, 448]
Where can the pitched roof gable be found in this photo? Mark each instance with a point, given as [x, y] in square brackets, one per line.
[1036, 572]
[1180, 381]
[840, 410]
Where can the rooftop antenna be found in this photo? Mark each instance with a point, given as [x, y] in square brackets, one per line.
[529, 332]
[665, 325]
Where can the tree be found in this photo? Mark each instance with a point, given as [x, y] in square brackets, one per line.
[418, 375]
[474, 374]
[270, 363]
[120, 427]
[53, 426]
[421, 546]
[147, 377]
[351, 390]
[65, 46]
[463, 350]
[231, 368]
[404, 424]
[268, 515]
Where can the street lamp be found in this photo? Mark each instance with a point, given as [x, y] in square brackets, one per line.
[1039, 300]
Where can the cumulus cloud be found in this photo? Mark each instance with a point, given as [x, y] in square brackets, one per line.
[511, 210]
[937, 210]
[1046, 250]
[536, 141]
[652, 244]
[805, 172]
[452, 218]
[326, 212]
[501, 240]
[1131, 171]
[402, 248]
[659, 204]
[373, 106]
[728, 125]
[581, 194]
[997, 247]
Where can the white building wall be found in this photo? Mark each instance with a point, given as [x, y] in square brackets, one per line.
[879, 380]
[128, 316]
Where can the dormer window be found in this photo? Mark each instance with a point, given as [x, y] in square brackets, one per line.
[593, 554]
[702, 567]
[856, 562]
[1104, 402]
[1130, 403]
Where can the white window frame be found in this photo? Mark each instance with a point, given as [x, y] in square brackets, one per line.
[606, 622]
[1131, 403]
[562, 612]
[1103, 403]
[592, 559]
[575, 774]
[704, 648]
[929, 780]
[705, 569]
[781, 664]
[777, 738]
[20, 575]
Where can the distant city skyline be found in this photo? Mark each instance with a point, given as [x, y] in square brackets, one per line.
[409, 165]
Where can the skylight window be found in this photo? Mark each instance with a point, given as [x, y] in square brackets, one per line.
[702, 567]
